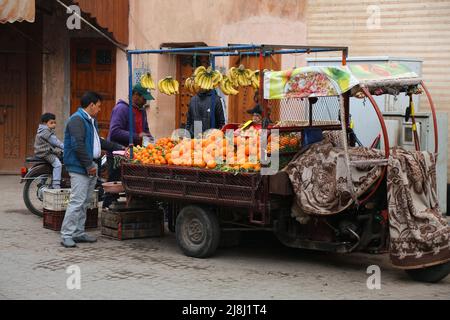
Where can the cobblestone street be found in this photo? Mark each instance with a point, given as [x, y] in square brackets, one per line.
[33, 266]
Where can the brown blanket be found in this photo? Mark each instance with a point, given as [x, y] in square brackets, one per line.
[319, 177]
[419, 234]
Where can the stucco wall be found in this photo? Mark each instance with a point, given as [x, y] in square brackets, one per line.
[56, 64]
[215, 22]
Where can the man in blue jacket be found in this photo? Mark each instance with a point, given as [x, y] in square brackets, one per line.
[82, 148]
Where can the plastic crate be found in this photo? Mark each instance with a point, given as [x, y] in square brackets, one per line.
[58, 199]
[53, 219]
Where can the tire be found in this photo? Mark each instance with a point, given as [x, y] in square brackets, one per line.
[197, 231]
[431, 274]
[27, 199]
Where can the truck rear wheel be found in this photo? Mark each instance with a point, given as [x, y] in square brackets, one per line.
[197, 231]
[431, 274]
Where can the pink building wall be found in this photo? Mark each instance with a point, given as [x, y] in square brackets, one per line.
[215, 22]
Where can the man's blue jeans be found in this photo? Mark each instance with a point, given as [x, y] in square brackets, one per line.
[83, 188]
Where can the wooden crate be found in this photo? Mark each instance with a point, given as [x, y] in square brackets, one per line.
[53, 219]
[133, 224]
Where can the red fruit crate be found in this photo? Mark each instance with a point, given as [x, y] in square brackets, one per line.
[193, 184]
[53, 219]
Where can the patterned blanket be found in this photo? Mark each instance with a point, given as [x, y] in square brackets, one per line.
[419, 234]
[319, 177]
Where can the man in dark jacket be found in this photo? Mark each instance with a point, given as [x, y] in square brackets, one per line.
[119, 130]
[82, 147]
[200, 110]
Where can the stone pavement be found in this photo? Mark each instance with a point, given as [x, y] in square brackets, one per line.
[33, 266]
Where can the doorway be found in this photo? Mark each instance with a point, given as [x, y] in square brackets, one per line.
[93, 68]
[243, 101]
[20, 92]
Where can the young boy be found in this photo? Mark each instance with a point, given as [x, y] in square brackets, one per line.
[48, 147]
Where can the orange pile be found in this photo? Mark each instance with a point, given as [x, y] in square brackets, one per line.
[214, 151]
[158, 154]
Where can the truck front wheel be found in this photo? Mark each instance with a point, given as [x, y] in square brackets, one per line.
[197, 231]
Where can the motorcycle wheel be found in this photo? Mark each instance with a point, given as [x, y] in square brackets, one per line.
[431, 274]
[33, 194]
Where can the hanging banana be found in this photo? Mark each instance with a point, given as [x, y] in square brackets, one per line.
[227, 87]
[168, 86]
[191, 86]
[207, 78]
[243, 77]
[147, 81]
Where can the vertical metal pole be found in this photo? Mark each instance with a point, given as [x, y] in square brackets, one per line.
[433, 112]
[130, 102]
[261, 86]
[213, 100]
[346, 97]
[344, 57]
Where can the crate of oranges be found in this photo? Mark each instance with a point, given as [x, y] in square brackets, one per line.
[214, 151]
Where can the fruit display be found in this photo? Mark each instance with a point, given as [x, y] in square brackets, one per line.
[213, 151]
[191, 86]
[284, 143]
[243, 77]
[255, 79]
[228, 87]
[168, 86]
[207, 78]
[147, 81]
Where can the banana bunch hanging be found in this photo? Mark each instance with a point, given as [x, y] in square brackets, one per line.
[241, 76]
[191, 86]
[207, 78]
[168, 86]
[227, 87]
[147, 81]
[254, 78]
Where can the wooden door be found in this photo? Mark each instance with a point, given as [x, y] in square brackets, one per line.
[185, 68]
[240, 103]
[13, 101]
[93, 68]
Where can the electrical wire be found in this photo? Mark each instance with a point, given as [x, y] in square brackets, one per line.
[118, 45]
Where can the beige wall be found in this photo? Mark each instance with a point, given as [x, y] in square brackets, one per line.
[408, 28]
[56, 65]
[215, 22]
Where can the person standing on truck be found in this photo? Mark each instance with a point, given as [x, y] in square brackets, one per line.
[82, 148]
[119, 131]
[257, 111]
[200, 110]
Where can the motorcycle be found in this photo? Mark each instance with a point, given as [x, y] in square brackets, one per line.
[37, 176]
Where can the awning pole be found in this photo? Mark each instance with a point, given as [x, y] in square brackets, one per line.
[130, 102]
[213, 99]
